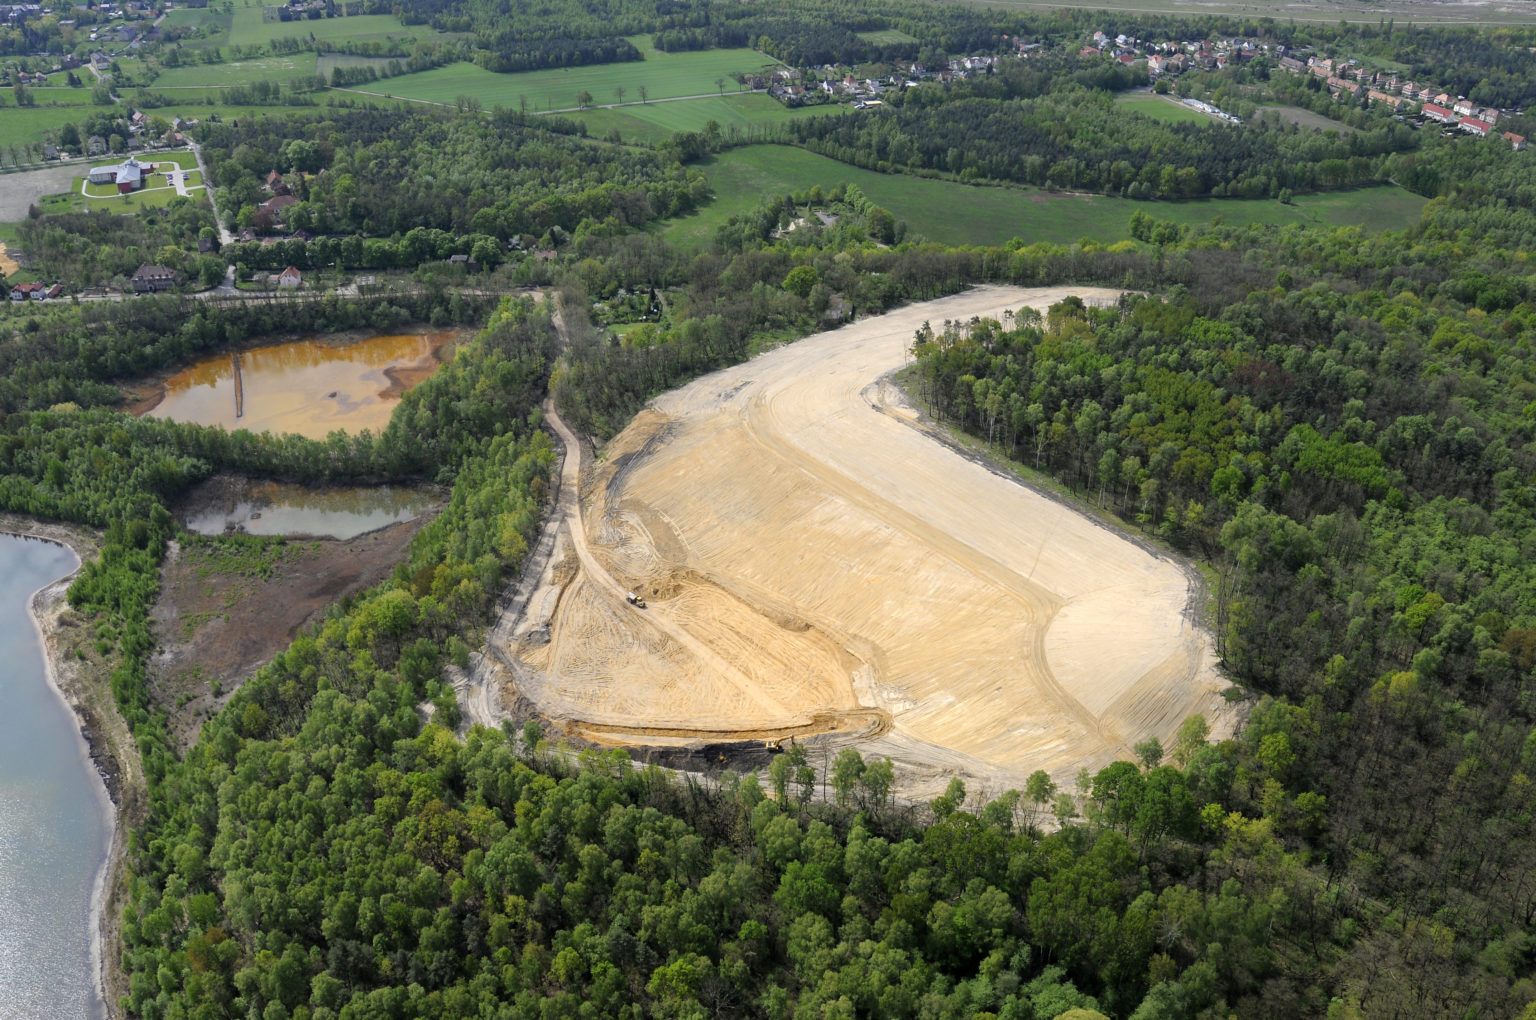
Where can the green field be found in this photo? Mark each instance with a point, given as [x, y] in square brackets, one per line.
[650, 123]
[49, 96]
[664, 75]
[250, 30]
[238, 72]
[957, 213]
[330, 61]
[1302, 117]
[1161, 108]
[29, 125]
[886, 37]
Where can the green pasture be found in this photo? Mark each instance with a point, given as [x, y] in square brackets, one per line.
[664, 75]
[1162, 108]
[238, 72]
[650, 123]
[955, 213]
[885, 37]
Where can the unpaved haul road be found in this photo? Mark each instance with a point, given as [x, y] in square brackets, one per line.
[815, 553]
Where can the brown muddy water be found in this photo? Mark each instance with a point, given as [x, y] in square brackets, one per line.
[256, 507]
[311, 387]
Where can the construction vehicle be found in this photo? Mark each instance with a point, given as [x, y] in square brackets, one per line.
[638, 601]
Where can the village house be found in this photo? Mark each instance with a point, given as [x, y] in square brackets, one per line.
[289, 279]
[23, 291]
[1517, 142]
[149, 278]
[1473, 126]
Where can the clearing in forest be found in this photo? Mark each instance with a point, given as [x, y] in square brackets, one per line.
[816, 561]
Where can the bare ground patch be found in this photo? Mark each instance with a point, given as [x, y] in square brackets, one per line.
[817, 568]
[226, 607]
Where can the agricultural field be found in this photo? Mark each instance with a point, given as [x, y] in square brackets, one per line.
[956, 213]
[653, 122]
[238, 72]
[664, 75]
[1162, 108]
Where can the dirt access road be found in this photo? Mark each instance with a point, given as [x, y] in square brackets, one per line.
[818, 563]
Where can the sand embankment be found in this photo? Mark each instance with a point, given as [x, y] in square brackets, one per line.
[814, 563]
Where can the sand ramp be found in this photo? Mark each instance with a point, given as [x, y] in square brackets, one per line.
[813, 561]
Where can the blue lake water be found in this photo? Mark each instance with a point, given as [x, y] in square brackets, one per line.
[54, 821]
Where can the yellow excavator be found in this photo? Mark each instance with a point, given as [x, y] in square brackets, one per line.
[638, 601]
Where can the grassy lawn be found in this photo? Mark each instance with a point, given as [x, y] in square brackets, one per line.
[664, 75]
[650, 123]
[957, 213]
[149, 198]
[239, 72]
[1162, 108]
[886, 37]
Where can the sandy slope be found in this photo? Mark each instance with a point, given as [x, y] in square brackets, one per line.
[816, 563]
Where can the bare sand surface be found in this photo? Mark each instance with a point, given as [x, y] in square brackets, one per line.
[817, 562]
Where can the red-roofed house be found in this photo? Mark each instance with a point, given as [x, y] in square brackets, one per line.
[1517, 142]
[1439, 113]
[1473, 126]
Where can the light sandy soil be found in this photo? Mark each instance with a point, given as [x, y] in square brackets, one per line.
[816, 562]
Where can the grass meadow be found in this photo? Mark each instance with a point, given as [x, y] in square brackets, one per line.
[664, 75]
[886, 36]
[237, 72]
[650, 123]
[955, 213]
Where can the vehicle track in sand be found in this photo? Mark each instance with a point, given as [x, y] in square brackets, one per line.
[818, 562]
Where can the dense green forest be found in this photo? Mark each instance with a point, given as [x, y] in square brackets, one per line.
[374, 174]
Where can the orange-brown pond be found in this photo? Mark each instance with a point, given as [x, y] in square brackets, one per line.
[309, 386]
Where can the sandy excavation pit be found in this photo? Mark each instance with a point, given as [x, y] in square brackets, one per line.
[816, 562]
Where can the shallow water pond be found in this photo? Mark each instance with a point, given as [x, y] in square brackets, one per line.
[310, 387]
[274, 508]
